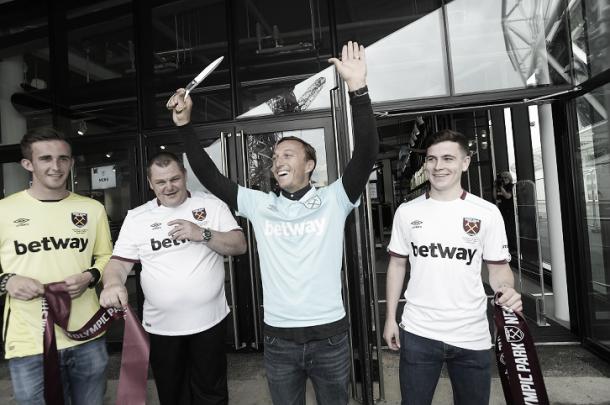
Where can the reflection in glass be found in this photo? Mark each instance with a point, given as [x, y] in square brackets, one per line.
[25, 101]
[594, 133]
[260, 152]
[105, 176]
[590, 37]
[280, 44]
[504, 45]
[186, 37]
[14, 178]
[102, 69]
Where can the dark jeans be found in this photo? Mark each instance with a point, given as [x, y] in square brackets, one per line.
[325, 362]
[421, 361]
[191, 369]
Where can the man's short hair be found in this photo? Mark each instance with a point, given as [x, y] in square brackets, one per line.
[447, 135]
[164, 159]
[310, 152]
[40, 134]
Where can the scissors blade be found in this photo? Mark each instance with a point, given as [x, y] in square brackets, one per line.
[204, 73]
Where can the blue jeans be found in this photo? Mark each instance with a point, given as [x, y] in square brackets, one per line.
[83, 375]
[325, 362]
[421, 361]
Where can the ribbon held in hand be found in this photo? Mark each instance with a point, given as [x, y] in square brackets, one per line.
[134, 361]
[518, 364]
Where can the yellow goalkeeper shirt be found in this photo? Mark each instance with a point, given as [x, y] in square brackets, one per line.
[49, 241]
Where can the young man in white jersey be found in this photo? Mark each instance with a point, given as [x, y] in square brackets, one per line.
[180, 239]
[299, 234]
[444, 236]
[48, 234]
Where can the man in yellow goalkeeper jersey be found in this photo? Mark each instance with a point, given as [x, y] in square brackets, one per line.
[50, 234]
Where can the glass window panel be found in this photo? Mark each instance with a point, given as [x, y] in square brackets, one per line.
[594, 132]
[102, 68]
[281, 44]
[405, 46]
[106, 177]
[505, 45]
[410, 62]
[590, 37]
[24, 72]
[14, 178]
[186, 37]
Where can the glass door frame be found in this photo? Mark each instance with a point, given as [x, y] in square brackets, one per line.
[573, 204]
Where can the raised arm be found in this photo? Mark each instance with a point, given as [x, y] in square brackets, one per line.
[203, 167]
[352, 69]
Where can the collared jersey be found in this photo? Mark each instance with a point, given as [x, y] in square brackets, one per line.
[49, 241]
[183, 281]
[446, 242]
[300, 246]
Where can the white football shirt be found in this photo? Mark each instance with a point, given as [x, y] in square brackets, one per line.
[446, 242]
[183, 281]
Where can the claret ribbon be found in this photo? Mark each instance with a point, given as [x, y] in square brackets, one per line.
[136, 348]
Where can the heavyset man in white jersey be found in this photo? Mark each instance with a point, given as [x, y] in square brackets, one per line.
[299, 233]
[180, 239]
[48, 234]
[445, 235]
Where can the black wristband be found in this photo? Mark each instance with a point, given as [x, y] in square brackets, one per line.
[96, 276]
[4, 277]
[362, 91]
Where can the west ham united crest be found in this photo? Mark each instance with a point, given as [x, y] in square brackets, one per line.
[472, 226]
[313, 203]
[79, 219]
[513, 334]
[199, 214]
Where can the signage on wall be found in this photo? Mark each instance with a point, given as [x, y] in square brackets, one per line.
[103, 177]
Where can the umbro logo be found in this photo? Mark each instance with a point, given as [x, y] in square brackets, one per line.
[156, 225]
[416, 224]
[21, 221]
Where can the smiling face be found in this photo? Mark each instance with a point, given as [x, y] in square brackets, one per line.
[291, 168]
[168, 184]
[50, 165]
[445, 162]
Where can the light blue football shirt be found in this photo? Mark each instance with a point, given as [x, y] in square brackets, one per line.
[300, 246]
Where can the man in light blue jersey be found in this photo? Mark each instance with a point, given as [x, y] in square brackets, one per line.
[300, 238]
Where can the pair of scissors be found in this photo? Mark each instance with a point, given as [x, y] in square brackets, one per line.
[204, 73]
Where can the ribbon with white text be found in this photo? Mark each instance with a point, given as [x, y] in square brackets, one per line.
[134, 361]
[518, 365]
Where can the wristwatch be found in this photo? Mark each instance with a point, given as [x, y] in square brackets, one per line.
[206, 234]
[359, 92]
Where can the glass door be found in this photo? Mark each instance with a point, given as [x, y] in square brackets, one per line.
[107, 172]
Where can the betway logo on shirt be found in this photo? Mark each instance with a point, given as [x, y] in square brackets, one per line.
[438, 250]
[277, 228]
[51, 243]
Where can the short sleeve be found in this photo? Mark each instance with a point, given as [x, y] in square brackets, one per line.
[126, 246]
[344, 202]
[399, 241]
[247, 201]
[226, 221]
[495, 244]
